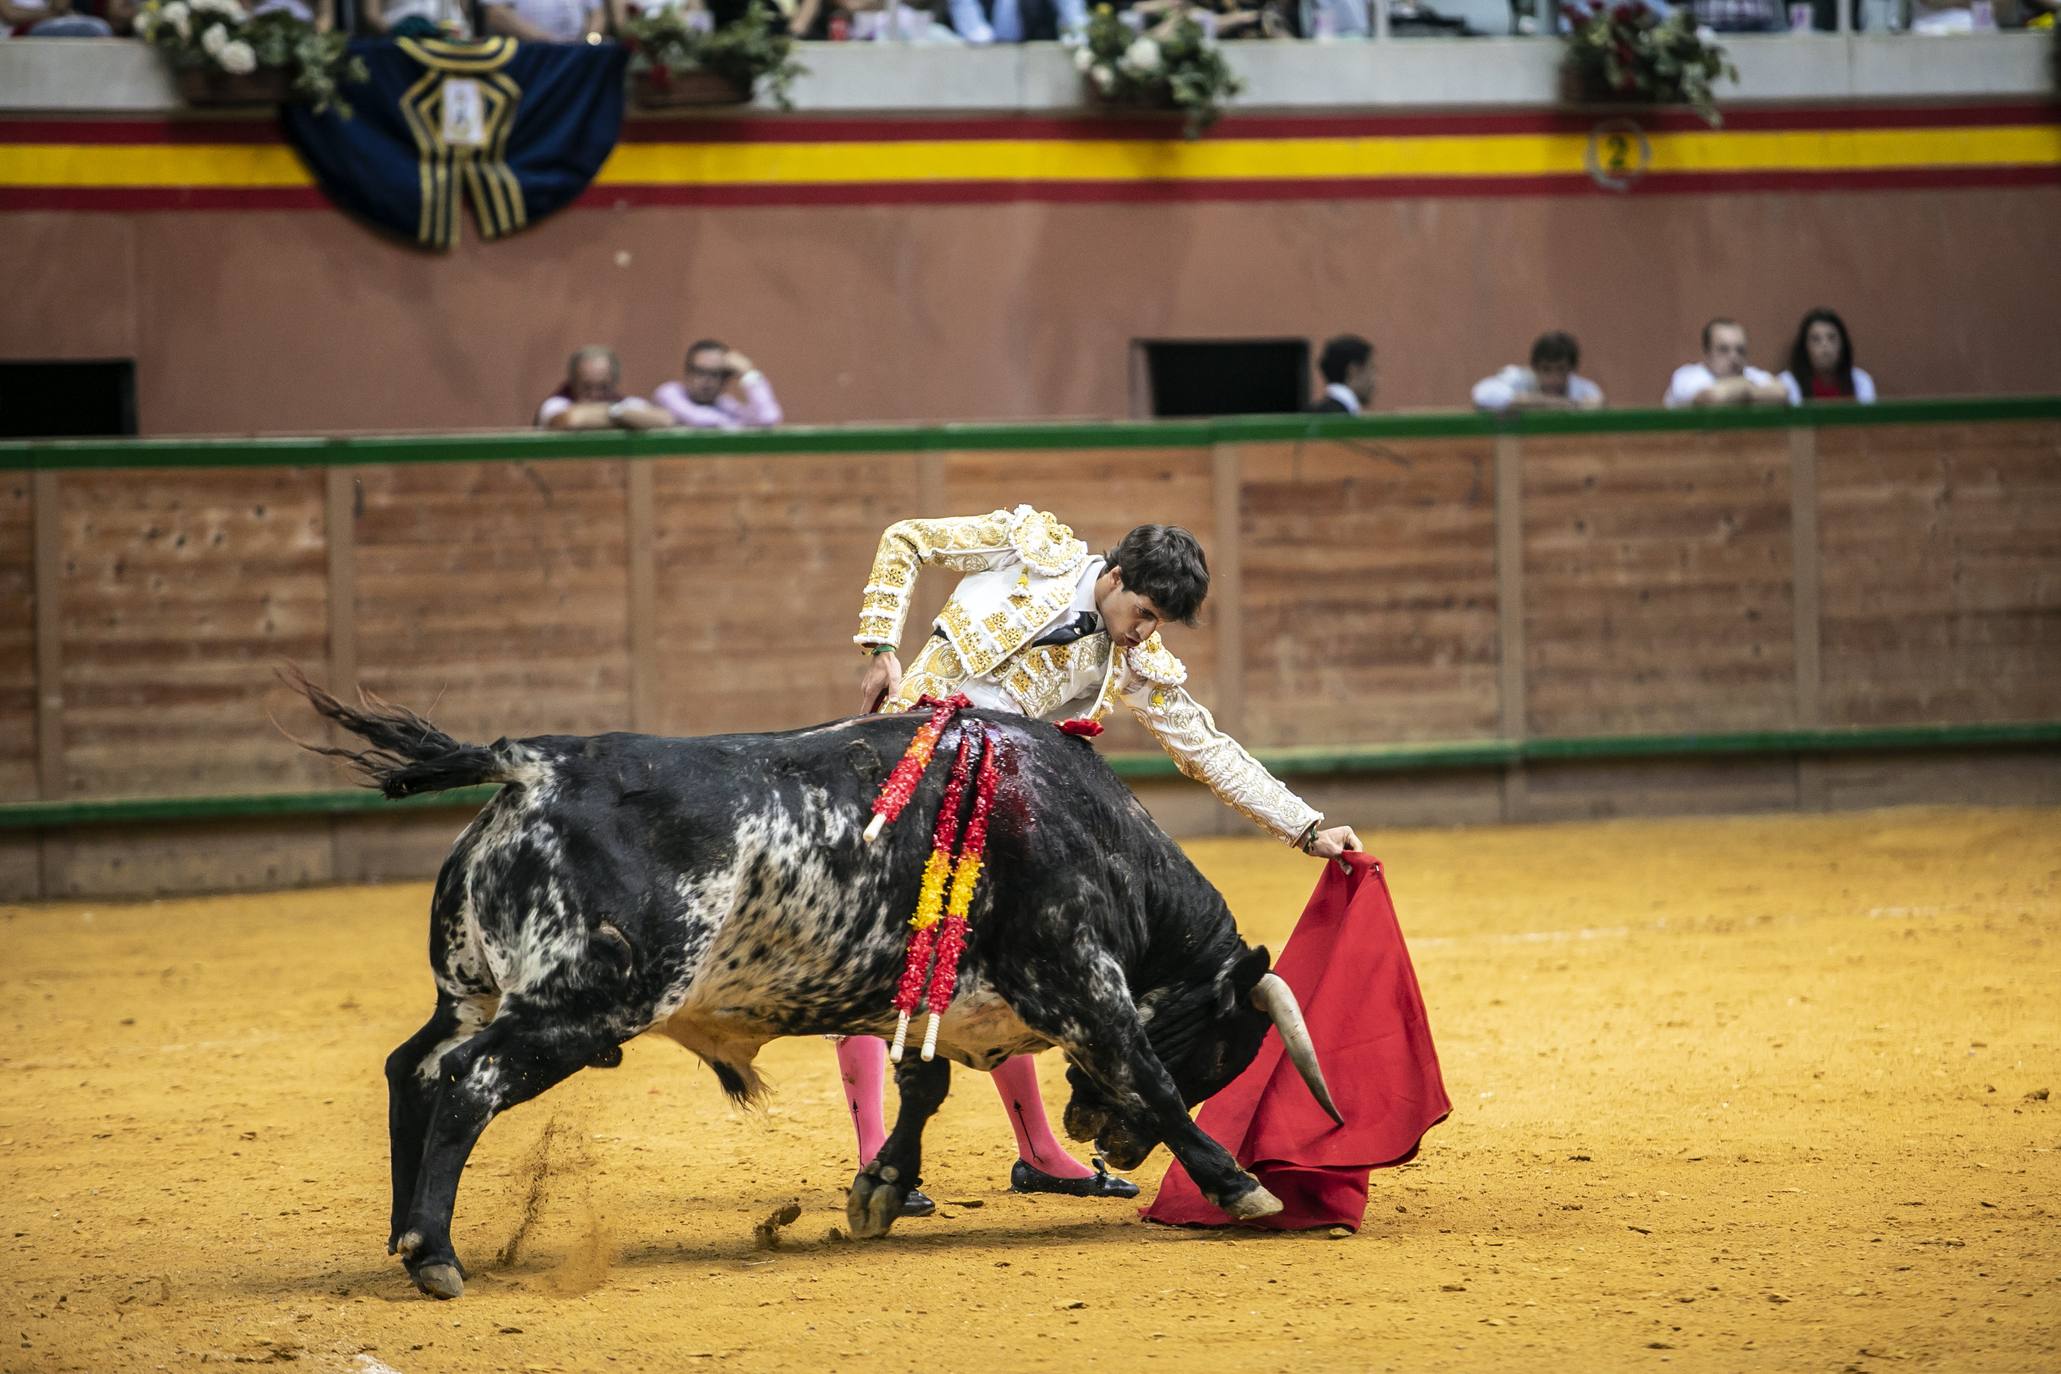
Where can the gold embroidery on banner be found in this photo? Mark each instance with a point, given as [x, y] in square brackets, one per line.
[495, 193]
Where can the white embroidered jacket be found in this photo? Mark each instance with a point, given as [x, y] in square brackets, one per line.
[1024, 569]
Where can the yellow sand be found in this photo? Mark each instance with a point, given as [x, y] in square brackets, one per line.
[1729, 1094]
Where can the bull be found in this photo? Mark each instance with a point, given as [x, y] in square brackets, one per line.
[718, 891]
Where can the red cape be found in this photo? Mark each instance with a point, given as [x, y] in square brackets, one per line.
[1350, 971]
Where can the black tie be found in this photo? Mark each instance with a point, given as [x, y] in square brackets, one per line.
[1082, 625]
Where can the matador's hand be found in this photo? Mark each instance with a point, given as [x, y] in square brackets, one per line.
[883, 676]
[1329, 844]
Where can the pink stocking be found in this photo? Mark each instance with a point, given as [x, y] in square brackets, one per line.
[863, 1061]
[1017, 1080]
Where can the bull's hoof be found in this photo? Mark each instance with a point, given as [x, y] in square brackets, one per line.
[439, 1280]
[1252, 1205]
[875, 1202]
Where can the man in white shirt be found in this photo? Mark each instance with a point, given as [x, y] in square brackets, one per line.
[1347, 367]
[1550, 383]
[589, 399]
[722, 391]
[1723, 378]
[544, 21]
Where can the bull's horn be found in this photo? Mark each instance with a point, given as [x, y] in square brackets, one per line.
[1277, 1000]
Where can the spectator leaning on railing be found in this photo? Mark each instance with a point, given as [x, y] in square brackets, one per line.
[722, 391]
[1821, 363]
[1723, 378]
[1550, 383]
[589, 399]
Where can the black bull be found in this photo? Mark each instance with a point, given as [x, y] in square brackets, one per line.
[719, 891]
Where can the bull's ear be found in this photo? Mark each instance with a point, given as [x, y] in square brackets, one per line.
[1246, 973]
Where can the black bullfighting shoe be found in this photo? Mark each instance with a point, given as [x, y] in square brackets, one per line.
[1025, 1178]
[917, 1204]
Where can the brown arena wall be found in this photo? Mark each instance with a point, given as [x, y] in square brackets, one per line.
[1371, 587]
[301, 321]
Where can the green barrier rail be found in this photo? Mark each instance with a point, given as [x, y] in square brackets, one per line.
[55, 455]
[1333, 761]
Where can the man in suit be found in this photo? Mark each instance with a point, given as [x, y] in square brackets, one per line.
[1347, 366]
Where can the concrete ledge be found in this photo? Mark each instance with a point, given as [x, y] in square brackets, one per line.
[117, 76]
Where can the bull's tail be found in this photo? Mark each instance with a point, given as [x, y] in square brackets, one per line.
[408, 755]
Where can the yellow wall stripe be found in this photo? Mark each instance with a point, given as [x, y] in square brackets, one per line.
[1034, 160]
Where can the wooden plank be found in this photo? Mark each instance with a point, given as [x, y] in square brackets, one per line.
[18, 683]
[1370, 591]
[1511, 712]
[1227, 586]
[49, 540]
[1938, 599]
[640, 510]
[339, 501]
[146, 861]
[1804, 577]
[340, 495]
[499, 592]
[53, 852]
[761, 568]
[1657, 590]
[183, 589]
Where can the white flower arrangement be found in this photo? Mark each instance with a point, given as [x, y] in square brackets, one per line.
[210, 41]
[1171, 65]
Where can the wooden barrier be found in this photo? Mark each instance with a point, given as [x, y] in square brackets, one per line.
[1553, 615]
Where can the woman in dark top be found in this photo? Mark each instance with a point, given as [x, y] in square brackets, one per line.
[1821, 363]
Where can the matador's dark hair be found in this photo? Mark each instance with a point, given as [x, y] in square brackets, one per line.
[1165, 564]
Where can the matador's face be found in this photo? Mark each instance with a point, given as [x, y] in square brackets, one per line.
[1129, 616]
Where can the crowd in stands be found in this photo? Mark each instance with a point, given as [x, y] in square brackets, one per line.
[1821, 369]
[721, 390]
[1009, 21]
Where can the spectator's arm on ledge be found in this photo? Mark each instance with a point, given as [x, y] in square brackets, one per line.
[637, 413]
[498, 17]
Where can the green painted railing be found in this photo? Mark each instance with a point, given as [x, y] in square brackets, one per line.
[539, 446]
[1320, 761]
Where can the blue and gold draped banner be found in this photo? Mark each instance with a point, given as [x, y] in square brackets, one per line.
[517, 129]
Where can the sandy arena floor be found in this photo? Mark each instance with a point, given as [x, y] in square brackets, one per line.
[1746, 1094]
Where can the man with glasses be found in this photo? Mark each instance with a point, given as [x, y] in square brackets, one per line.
[1723, 377]
[722, 391]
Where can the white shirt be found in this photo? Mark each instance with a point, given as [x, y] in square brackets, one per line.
[1693, 379]
[1343, 394]
[438, 12]
[1863, 389]
[564, 20]
[1501, 391]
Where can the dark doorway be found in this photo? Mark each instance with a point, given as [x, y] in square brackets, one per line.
[68, 400]
[1220, 376]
